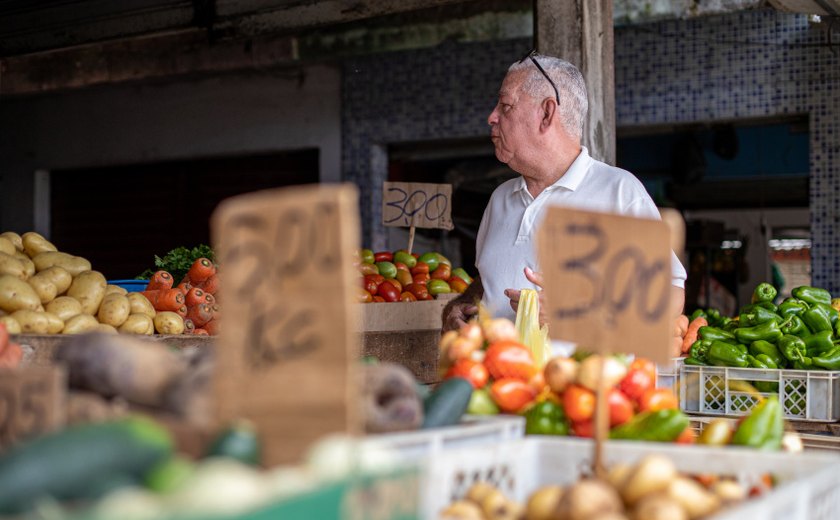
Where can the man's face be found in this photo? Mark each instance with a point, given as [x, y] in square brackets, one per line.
[514, 121]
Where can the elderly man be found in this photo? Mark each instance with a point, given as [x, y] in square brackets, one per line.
[536, 128]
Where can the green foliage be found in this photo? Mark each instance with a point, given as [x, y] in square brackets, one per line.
[178, 261]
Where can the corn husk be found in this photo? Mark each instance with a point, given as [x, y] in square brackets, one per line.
[528, 326]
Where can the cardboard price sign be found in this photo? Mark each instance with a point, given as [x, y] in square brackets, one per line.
[287, 341]
[417, 204]
[608, 281]
[32, 401]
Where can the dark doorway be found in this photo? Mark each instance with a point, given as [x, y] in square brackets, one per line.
[120, 217]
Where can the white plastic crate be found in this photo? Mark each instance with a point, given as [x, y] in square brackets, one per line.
[668, 375]
[809, 483]
[805, 395]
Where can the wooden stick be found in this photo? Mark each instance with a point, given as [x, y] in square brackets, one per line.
[410, 238]
[601, 421]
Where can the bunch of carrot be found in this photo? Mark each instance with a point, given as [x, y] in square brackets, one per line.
[10, 353]
[193, 299]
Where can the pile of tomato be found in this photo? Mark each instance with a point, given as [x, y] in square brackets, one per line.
[407, 277]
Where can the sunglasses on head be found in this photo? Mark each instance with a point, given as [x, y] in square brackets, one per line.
[531, 55]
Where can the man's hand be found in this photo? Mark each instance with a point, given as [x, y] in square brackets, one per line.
[514, 294]
[456, 314]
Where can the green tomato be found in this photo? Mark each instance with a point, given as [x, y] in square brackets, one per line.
[481, 403]
[460, 273]
[431, 259]
[367, 256]
[442, 260]
[387, 269]
[406, 258]
[546, 418]
[436, 287]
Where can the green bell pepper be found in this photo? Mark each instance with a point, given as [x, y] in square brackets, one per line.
[812, 295]
[714, 333]
[731, 325]
[763, 361]
[723, 354]
[758, 348]
[692, 361]
[833, 315]
[764, 292]
[792, 306]
[758, 315]
[546, 418]
[805, 364]
[763, 428]
[661, 425]
[818, 343]
[699, 313]
[699, 349]
[817, 319]
[795, 326]
[767, 331]
[793, 348]
[829, 360]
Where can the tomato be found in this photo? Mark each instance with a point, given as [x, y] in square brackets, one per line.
[367, 269]
[635, 383]
[584, 428]
[407, 297]
[457, 285]
[510, 359]
[404, 258]
[442, 260]
[658, 399]
[537, 382]
[397, 285]
[387, 269]
[512, 395]
[646, 365]
[443, 272]
[687, 436]
[459, 272]
[421, 267]
[472, 371]
[404, 277]
[438, 287]
[378, 299]
[418, 290]
[366, 256]
[421, 278]
[401, 267]
[620, 406]
[365, 296]
[430, 259]
[383, 256]
[388, 292]
[372, 282]
[579, 403]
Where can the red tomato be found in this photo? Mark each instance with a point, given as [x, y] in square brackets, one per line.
[407, 297]
[687, 436]
[458, 285]
[383, 256]
[646, 365]
[636, 383]
[512, 395]
[365, 297]
[621, 407]
[579, 403]
[401, 266]
[421, 267]
[418, 290]
[658, 399]
[443, 272]
[366, 269]
[584, 428]
[510, 359]
[415, 255]
[397, 285]
[472, 371]
[372, 282]
[421, 278]
[388, 292]
[404, 277]
[378, 299]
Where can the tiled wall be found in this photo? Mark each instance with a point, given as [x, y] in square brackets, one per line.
[748, 64]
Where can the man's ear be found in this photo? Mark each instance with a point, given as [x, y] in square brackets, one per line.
[549, 112]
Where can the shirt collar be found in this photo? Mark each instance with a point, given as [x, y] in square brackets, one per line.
[571, 179]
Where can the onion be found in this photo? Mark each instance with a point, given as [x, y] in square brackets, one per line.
[500, 329]
[560, 372]
[589, 373]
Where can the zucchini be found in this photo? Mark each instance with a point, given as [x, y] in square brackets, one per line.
[75, 462]
[448, 402]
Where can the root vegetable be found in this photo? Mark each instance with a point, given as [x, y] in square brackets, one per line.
[588, 498]
[34, 244]
[729, 491]
[12, 326]
[137, 324]
[560, 373]
[589, 373]
[114, 310]
[89, 288]
[65, 307]
[167, 322]
[139, 304]
[75, 265]
[14, 238]
[693, 497]
[12, 266]
[462, 510]
[478, 491]
[80, 324]
[651, 475]
[543, 503]
[59, 277]
[33, 322]
[659, 507]
[15, 295]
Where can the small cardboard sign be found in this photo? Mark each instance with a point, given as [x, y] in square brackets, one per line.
[607, 281]
[31, 402]
[417, 204]
[287, 343]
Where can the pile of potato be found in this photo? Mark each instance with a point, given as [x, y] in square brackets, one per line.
[45, 291]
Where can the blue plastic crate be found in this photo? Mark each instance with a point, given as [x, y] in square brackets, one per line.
[130, 285]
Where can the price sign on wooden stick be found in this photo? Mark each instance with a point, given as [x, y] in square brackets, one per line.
[287, 345]
[416, 205]
[32, 401]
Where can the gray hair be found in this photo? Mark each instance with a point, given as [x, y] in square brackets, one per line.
[570, 86]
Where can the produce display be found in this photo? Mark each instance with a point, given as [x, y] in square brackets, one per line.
[407, 277]
[651, 489]
[190, 307]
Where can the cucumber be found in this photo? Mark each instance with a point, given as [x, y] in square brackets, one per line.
[75, 462]
[448, 402]
[239, 442]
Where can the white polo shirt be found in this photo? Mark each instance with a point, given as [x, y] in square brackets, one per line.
[506, 239]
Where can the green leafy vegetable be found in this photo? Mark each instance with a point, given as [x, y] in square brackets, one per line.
[178, 261]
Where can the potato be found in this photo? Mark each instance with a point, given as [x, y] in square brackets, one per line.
[14, 238]
[28, 265]
[168, 322]
[89, 288]
[6, 246]
[12, 326]
[11, 265]
[58, 276]
[44, 288]
[137, 324]
[64, 307]
[115, 289]
[54, 323]
[74, 265]
[80, 324]
[140, 304]
[107, 329]
[114, 310]
[34, 243]
[32, 322]
[15, 294]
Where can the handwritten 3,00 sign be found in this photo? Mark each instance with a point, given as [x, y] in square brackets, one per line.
[608, 281]
[417, 204]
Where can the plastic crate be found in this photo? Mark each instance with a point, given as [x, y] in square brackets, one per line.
[809, 483]
[806, 395]
[668, 375]
[810, 441]
[130, 285]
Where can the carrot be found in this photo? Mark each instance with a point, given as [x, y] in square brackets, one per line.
[189, 326]
[184, 286]
[170, 300]
[681, 326]
[201, 270]
[182, 311]
[210, 285]
[201, 332]
[209, 299]
[11, 356]
[160, 280]
[194, 297]
[152, 296]
[691, 333]
[200, 314]
[212, 327]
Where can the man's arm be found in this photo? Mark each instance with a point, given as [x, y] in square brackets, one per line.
[461, 309]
